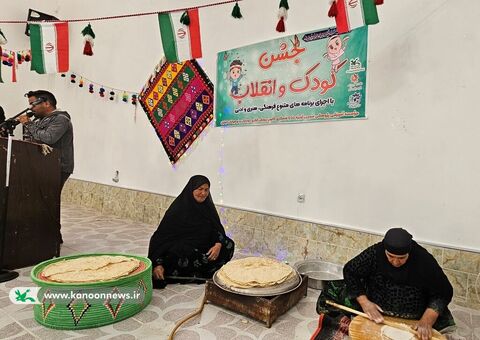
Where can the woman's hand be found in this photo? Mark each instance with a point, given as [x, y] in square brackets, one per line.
[424, 330]
[158, 273]
[371, 309]
[214, 252]
[424, 325]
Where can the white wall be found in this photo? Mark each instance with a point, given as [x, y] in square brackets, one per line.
[412, 163]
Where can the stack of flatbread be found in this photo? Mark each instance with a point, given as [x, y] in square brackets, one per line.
[90, 269]
[254, 272]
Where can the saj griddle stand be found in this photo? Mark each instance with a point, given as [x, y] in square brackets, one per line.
[264, 309]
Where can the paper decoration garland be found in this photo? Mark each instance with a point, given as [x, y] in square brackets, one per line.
[110, 93]
[13, 59]
[38, 16]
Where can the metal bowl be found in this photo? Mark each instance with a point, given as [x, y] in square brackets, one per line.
[319, 271]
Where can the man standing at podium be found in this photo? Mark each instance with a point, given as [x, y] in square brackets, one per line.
[2, 119]
[51, 127]
[2, 115]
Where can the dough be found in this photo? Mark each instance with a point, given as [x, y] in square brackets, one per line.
[90, 269]
[254, 272]
[392, 333]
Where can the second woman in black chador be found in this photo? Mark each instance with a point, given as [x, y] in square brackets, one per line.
[190, 241]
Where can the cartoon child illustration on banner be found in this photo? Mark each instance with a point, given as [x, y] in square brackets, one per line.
[335, 49]
[235, 74]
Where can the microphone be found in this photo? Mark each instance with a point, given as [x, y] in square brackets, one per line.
[30, 113]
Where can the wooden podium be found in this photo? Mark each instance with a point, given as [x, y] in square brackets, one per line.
[33, 211]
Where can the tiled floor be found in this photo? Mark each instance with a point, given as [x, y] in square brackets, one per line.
[86, 230]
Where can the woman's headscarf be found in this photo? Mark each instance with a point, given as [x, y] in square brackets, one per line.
[420, 270]
[183, 219]
[397, 241]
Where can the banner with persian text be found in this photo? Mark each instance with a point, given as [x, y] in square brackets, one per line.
[314, 76]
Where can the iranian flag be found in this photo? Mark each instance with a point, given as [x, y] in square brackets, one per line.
[180, 42]
[350, 14]
[49, 44]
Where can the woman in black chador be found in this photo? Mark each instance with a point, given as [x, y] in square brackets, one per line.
[395, 277]
[190, 241]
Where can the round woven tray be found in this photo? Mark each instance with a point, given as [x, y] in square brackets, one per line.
[102, 303]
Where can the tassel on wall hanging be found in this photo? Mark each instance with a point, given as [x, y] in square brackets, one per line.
[89, 36]
[282, 15]
[185, 19]
[236, 11]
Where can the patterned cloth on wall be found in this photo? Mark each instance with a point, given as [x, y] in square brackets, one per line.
[178, 100]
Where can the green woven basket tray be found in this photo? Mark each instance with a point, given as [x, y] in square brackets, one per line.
[88, 305]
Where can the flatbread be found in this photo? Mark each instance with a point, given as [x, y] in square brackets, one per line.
[392, 333]
[90, 269]
[254, 272]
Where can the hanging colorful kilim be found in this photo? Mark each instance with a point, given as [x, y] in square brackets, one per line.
[178, 100]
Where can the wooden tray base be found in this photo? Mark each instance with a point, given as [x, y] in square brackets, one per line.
[263, 309]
